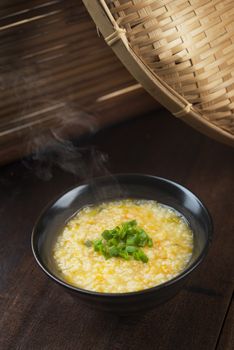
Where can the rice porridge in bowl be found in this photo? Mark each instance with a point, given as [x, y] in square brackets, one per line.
[123, 246]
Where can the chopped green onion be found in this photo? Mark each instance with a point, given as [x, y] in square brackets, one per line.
[123, 241]
[88, 243]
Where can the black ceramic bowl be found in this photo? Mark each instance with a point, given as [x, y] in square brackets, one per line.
[164, 191]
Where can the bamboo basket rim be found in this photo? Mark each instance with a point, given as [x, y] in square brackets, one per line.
[180, 107]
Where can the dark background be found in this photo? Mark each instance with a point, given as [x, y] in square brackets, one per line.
[37, 314]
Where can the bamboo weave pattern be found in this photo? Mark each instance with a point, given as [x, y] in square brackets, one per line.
[53, 66]
[190, 45]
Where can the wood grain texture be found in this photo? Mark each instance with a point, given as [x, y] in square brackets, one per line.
[227, 334]
[53, 67]
[37, 314]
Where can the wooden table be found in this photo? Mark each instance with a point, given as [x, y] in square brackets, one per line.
[38, 314]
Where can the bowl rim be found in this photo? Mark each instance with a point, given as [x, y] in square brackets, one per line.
[170, 282]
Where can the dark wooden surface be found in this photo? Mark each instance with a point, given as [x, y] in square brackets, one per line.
[38, 314]
[52, 64]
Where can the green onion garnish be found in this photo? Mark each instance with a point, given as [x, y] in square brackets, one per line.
[123, 241]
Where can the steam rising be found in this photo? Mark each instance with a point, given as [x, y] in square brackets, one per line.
[49, 123]
[50, 150]
[83, 162]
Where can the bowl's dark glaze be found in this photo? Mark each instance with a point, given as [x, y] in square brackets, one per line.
[164, 191]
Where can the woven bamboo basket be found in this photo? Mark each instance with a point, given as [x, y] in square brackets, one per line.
[182, 52]
[57, 76]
